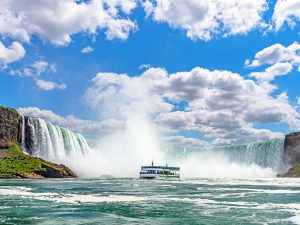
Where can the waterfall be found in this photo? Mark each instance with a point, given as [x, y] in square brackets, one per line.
[43, 139]
[22, 133]
[263, 153]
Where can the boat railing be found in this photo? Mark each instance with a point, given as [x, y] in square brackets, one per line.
[161, 167]
[163, 172]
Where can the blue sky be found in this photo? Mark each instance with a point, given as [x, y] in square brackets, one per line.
[158, 40]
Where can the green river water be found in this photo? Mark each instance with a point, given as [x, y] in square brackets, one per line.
[135, 201]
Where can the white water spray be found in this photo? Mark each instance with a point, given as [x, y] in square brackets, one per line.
[257, 159]
[51, 142]
[121, 153]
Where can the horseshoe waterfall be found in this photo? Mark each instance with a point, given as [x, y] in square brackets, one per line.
[43, 139]
[266, 154]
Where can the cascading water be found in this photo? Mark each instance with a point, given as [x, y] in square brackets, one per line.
[43, 139]
[263, 153]
[22, 132]
[53, 143]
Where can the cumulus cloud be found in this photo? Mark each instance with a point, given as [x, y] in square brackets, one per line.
[49, 85]
[183, 142]
[56, 21]
[119, 95]
[276, 53]
[87, 49]
[220, 105]
[269, 55]
[12, 53]
[148, 7]
[205, 19]
[144, 66]
[286, 11]
[278, 69]
[35, 69]
[282, 60]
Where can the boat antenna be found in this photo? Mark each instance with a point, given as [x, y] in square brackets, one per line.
[152, 163]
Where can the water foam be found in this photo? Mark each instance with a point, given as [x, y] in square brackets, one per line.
[121, 153]
[24, 192]
[51, 142]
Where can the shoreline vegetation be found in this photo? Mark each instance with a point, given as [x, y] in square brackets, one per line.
[14, 163]
[294, 171]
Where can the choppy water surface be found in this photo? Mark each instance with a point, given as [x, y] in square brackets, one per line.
[134, 201]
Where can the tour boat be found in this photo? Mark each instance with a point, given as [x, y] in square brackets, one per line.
[160, 172]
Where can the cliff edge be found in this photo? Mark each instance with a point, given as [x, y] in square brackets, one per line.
[292, 148]
[291, 155]
[9, 127]
[13, 162]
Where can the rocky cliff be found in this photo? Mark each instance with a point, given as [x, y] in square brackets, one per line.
[9, 123]
[292, 149]
[13, 162]
[291, 156]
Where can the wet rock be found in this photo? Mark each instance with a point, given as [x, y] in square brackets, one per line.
[293, 172]
[9, 125]
[55, 171]
[292, 149]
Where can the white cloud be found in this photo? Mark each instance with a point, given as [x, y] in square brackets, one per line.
[144, 66]
[118, 95]
[49, 85]
[36, 69]
[42, 66]
[87, 49]
[221, 105]
[148, 7]
[269, 55]
[286, 11]
[282, 60]
[208, 18]
[278, 69]
[56, 21]
[183, 142]
[276, 53]
[12, 53]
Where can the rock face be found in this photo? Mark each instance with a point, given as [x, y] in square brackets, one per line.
[292, 149]
[29, 141]
[13, 162]
[9, 126]
[293, 172]
[55, 171]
